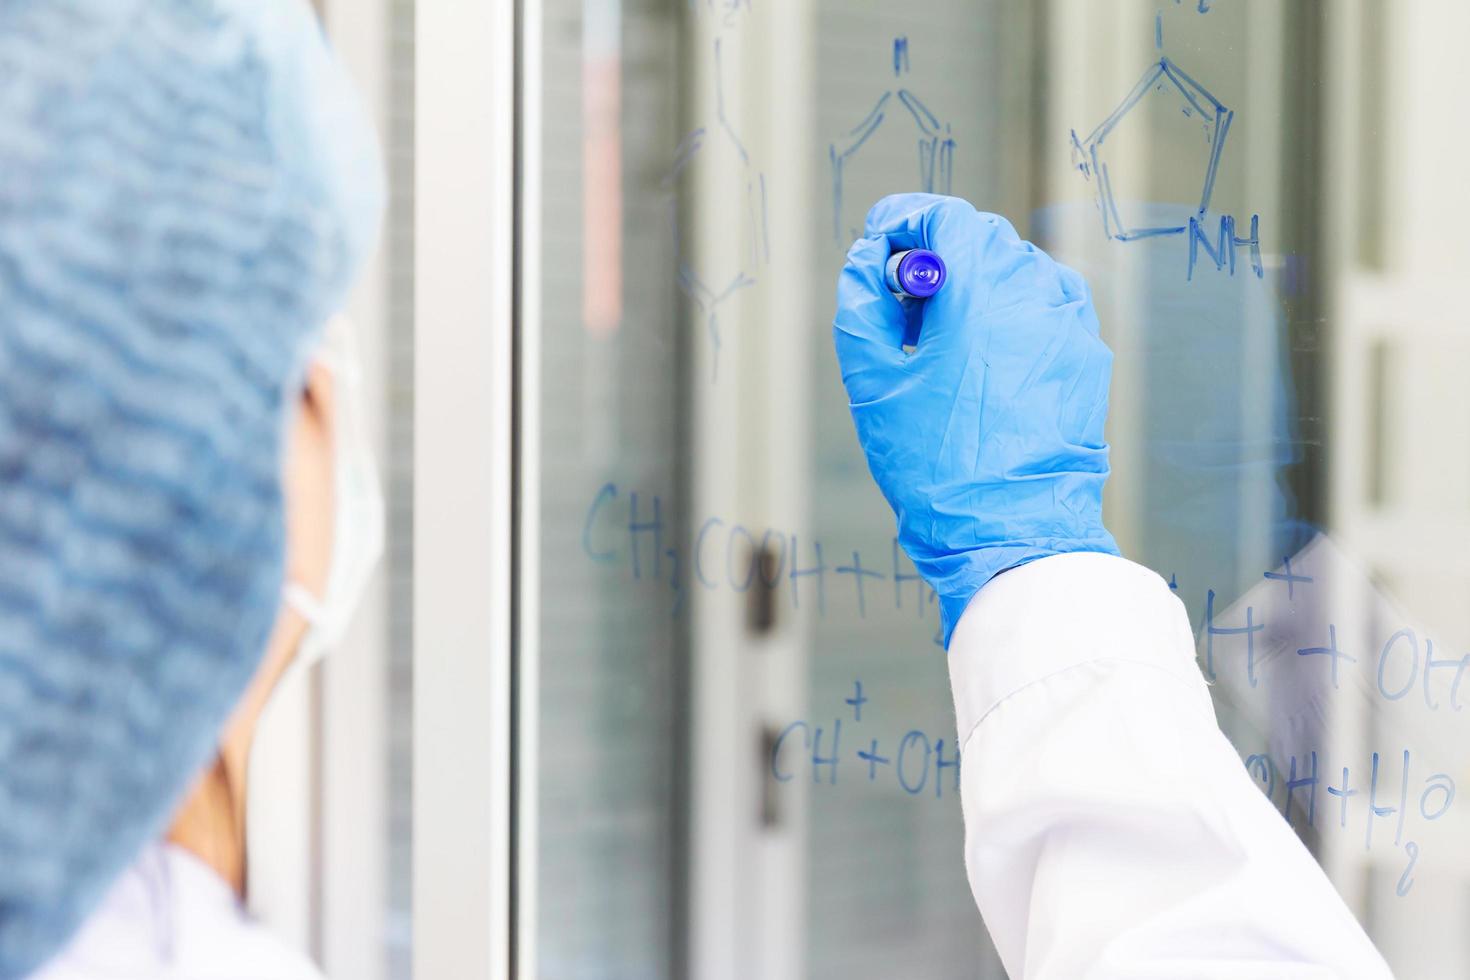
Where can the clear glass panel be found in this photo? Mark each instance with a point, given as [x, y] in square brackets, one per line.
[887, 895]
[613, 386]
[747, 739]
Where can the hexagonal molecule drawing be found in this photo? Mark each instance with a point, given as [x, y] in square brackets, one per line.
[726, 9]
[935, 146]
[709, 284]
[1121, 222]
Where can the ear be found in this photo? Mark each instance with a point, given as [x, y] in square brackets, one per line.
[318, 401]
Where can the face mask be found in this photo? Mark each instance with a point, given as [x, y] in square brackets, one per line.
[282, 784]
[357, 533]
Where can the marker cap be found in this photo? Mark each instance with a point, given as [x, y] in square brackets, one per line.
[915, 272]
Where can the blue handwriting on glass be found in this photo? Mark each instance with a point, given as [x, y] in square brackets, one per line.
[1165, 80]
[628, 528]
[1383, 798]
[1400, 666]
[935, 145]
[915, 761]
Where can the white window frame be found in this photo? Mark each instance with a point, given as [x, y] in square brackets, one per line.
[464, 524]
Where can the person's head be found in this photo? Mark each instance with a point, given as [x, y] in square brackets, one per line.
[189, 190]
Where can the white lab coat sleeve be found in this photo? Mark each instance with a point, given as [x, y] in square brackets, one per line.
[1110, 828]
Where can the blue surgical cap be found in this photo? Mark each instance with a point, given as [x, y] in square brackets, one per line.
[187, 189]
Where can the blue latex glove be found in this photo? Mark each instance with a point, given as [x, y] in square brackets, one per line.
[987, 439]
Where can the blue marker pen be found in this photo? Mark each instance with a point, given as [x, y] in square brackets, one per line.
[914, 273]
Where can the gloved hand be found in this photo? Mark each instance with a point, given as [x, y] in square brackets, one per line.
[986, 439]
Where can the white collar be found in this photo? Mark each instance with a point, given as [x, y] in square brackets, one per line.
[171, 917]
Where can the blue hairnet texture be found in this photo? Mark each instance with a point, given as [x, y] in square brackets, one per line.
[186, 191]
